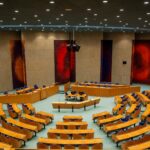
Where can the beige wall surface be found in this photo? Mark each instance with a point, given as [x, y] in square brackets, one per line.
[88, 58]
[39, 54]
[122, 51]
[5, 60]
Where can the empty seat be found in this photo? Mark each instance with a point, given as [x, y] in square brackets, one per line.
[69, 147]
[97, 147]
[77, 136]
[85, 147]
[56, 147]
[43, 146]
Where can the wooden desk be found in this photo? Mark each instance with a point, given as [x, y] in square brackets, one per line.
[13, 134]
[131, 109]
[119, 126]
[141, 146]
[109, 120]
[4, 146]
[76, 105]
[77, 95]
[30, 107]
[98, 115]
[71, 132]
[131, 99]
[118, 100]
[70, 142]
[16, 109]
[45, 114]
[60, 125]
[146, 112]
[145, 100]
[126, 136]
[73, 118]
[21, 124]
[35, 119]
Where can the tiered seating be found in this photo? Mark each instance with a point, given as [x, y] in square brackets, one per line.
[118, 126]
[17, 129]
[72, 118]
[130, 134]
[139, 144]
[30, 110]
[70, 135]
[17, 140]
[13, 110]
[32, 120]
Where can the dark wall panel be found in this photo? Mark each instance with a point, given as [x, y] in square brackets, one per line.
[106, 60]
[141, 61]
[64, 62]
[18, 63]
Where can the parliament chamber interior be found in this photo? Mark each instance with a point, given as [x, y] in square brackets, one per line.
[75, 74]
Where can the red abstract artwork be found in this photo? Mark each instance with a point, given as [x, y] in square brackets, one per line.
[141, 61]
[18, 63]
[64, 62]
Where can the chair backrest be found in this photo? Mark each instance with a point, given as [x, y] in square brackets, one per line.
[52, 135]
[85, 147]
[42, 146]
[97, 146]
[64, 136]
[69, 147]
[77, 136]
[57, 147]
[89, 136]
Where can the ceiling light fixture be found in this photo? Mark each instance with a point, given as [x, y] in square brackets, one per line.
[121, 10]
[1, 3]
[105, 1]
[47, 10]
[16, 11]
[146, 2]
[88, 9]
[52, 2]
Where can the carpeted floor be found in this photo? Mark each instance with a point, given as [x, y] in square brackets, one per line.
[106, 104]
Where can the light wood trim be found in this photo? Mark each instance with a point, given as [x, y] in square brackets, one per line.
[131, 109]
[70, 142]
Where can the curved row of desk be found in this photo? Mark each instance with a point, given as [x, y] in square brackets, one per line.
[31, 97]
[107, 91]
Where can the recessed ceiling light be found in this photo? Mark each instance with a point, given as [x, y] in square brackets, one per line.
[88, 9]
[61, 15]
[146, 21]
[126, 24]
[66, 21]
[16, 11]
[50, 23]
[38, 20]
[105, 19]
[139, 18]
[25, 22]
[105, 1]
[1, 3]
[1, 21]
[35, 15]
[85, 18]
[47, 10]
[52, 2]
[118, 16]
[146, 2]
[148, 13]
[120, 21]
[86, 21]
[95, 14]
[68, 9]
[57, 19]
[121, 10]
[14, 19]
[100, 23]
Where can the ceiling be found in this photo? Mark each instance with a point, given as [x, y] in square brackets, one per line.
[124, 15]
